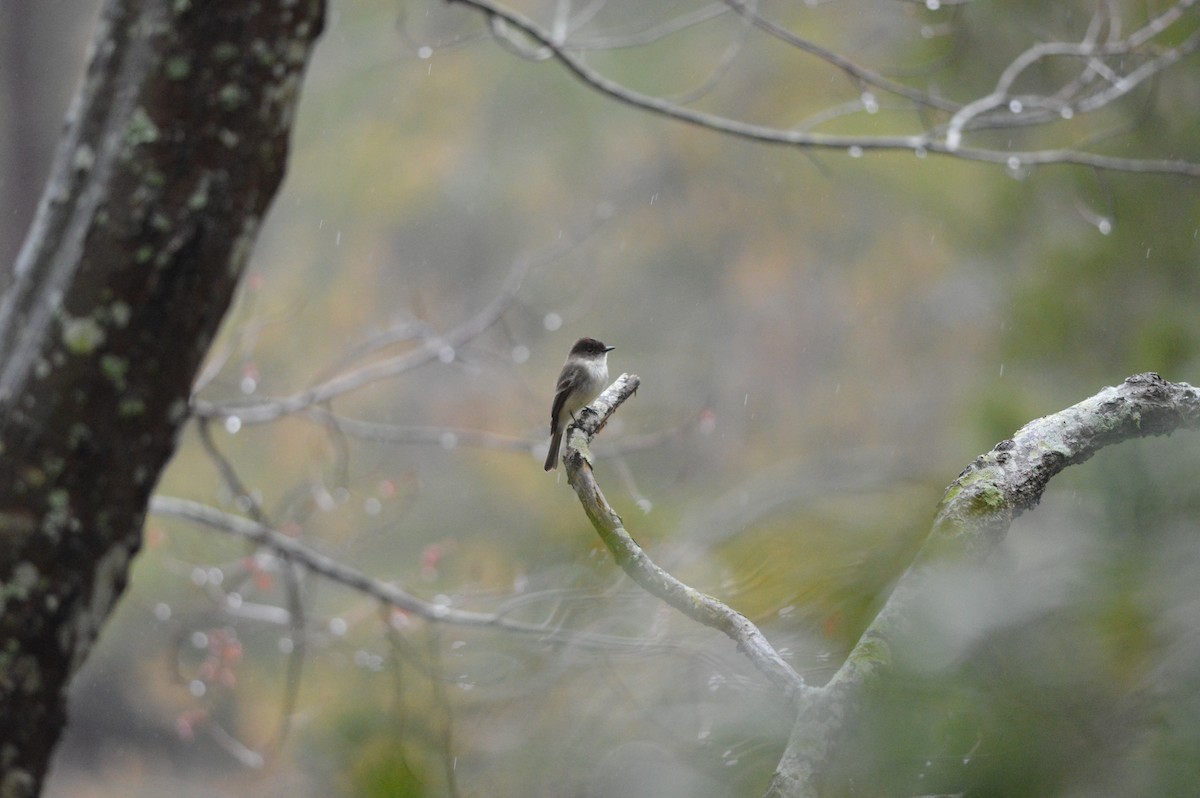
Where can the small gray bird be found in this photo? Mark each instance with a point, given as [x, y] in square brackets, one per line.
[581, 380]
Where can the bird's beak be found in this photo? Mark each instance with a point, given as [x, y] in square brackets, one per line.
[609, 348]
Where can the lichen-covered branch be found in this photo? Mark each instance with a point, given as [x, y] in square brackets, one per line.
[174, 149]
[972, 520]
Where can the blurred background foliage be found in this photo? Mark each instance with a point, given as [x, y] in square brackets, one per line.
[849, 331]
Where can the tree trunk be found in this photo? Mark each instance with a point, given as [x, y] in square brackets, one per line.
[175, 146]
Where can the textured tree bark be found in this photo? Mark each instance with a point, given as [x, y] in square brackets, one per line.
[174, 148]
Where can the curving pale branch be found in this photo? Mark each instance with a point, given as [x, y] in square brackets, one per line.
[698, 606]
[1097, 85]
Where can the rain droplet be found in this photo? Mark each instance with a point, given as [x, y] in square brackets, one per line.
[520, 354]
[162, 611]
[1016, 106]
[933, 5]
[197, 688]
[372, 506]
[869, 103]
[855, 151]
[1066, 112]
[199, 640]
[232, 424]
[248, 384]
[233, 600]
[285, 645]
[424, 52]
[552, 321]
[446, 354]
[337, 626]
[920, 152]
[1104, 226]
[449, 440]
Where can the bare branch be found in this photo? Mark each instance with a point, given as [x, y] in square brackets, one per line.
[455, 437]
[653, 33]
[386, 593]
[637, 564]
[508, 23]
[1065, 101]
[432, 348]
[839, 61]
[972, 520]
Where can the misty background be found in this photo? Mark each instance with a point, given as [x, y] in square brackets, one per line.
[827, 337]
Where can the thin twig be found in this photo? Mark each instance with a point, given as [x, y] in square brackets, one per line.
[291, 582]
[456, 437]
[430, 347]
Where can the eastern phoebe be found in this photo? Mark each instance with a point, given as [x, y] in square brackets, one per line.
[581, 380]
